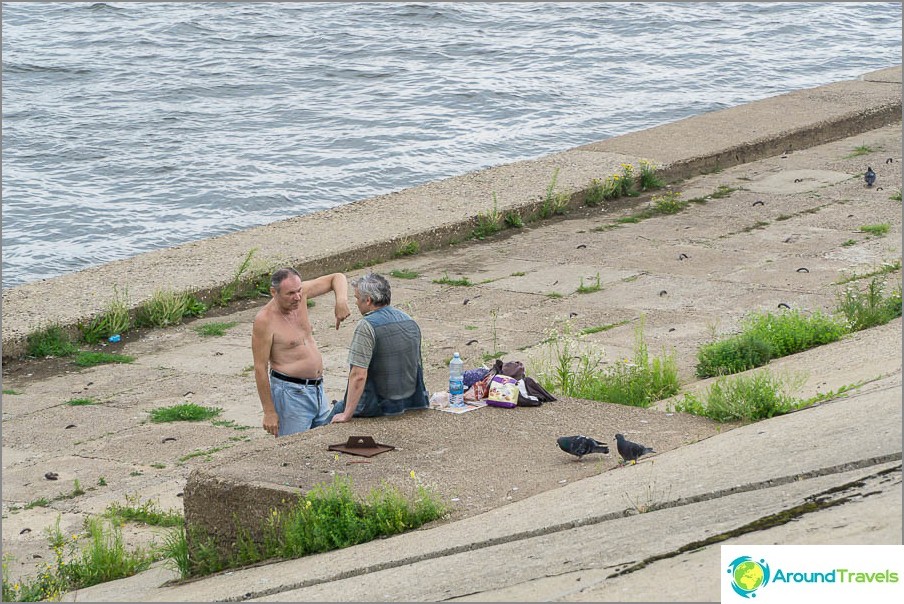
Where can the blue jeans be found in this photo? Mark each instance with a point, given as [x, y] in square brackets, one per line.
[298, 407]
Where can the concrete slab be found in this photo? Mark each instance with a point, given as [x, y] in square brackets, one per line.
[797, 181]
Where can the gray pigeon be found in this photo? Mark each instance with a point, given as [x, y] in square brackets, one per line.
[580, 446]
[630, 451]
[869, 177]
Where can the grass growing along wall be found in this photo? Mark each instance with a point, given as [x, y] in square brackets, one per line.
[742, 398]
[50, 341]
[765, 336]
[115, 320]
[328, 517]
[167, 308]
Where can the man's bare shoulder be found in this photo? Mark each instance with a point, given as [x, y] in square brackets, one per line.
[263, 316]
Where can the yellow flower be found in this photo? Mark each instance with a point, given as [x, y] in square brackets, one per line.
[413, 477]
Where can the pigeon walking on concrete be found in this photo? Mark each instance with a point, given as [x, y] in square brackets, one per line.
[629, 451]
[870, 177]
[579, 446]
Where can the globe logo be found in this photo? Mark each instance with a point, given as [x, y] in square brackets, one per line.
[748, 575]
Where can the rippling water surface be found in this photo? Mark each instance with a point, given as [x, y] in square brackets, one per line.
[134, 126]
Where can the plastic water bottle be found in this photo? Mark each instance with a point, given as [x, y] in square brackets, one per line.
[456, 381]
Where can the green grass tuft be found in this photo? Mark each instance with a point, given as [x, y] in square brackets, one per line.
[721, 192]
[878, 230]
[445, 280]
[741, 398]
[513, 220]
[90, 359]
[404, 274]
[555, 203]
[488, 224]
[887, 267]
[408, 248]
[599, 328]
[589, 289]
[858, 151]
[147, 512]
[186, 412]
[648, 177]
[51, 341]
[215, 328]
[78, 402]
[668, 203]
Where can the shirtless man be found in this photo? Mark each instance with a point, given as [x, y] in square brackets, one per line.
[282, 338]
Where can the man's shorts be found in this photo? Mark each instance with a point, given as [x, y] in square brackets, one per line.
[299, 407]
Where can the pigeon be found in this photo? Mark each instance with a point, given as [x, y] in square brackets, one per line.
[630, 451]
[870, 177]
[580, 446]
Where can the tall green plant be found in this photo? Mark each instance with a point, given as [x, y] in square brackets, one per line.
[115, 320]
[82, 560]
[864, 309]
[490, 223]
[554, 203]
[637, 382]
[648, 177]
[232, 289]
[164, 308]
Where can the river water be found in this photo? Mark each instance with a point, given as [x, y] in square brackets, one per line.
[129, 127]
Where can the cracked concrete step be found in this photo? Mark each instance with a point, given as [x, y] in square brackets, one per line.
[691, 574]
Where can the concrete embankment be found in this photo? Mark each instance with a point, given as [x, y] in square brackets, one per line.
[440, 212]
[526, 520]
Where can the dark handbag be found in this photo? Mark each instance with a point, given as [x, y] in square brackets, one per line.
[536, 390]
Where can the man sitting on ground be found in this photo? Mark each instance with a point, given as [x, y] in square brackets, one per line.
[386, 375]
[283, 339]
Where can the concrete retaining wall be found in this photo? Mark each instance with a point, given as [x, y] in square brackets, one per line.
[442, 212]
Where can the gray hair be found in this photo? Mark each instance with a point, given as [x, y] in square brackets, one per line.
[375, 287]
[281, 275]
